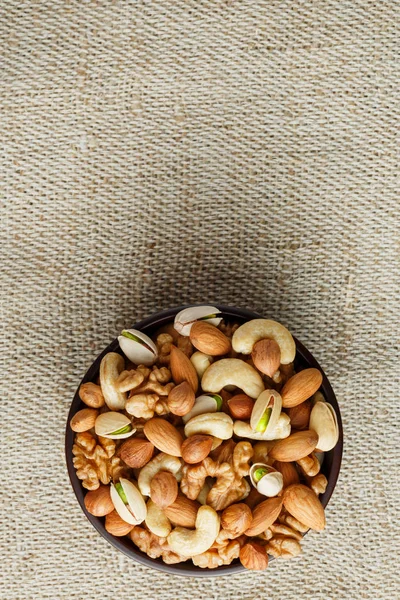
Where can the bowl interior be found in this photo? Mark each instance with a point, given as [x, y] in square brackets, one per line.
[330, 467]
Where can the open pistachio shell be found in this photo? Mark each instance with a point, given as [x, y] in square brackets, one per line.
[206, 403]
[132, 509]
[324, 422]
[113, 425]
[185, 319]
[266, 411]
[280, 431]
[138, 347]
[270, 484]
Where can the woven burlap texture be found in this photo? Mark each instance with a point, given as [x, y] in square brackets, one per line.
[160, 153]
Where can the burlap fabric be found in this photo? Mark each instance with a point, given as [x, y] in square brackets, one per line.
[158, 153]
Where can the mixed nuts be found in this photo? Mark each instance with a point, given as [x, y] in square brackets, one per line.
[203, 443]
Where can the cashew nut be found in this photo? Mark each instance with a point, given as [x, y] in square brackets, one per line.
[111, 367]
[217, 424]
[201, 362]
[251, 332]
[281, 430]
[232, 371]
[189, 542]
[156, 520]
[162, 462]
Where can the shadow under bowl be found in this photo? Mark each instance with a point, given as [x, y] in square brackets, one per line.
[330, 467]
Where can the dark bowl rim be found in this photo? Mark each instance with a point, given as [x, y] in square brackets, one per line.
[186, 569]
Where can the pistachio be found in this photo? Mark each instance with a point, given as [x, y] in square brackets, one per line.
[259, 473]
[128, 501]
[323, 421]
[185, 319]
[206, 403]
[121, 493]
[266, 411]
[280, 431]
[113, 425]
[138, 347]
[267, 480]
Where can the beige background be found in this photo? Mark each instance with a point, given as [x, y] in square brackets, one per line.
[156, 153]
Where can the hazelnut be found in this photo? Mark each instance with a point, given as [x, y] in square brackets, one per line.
[163, 489]
[240, 406]
[136, 452]
[236, 519]
[182, 512]
[98, 502]
[196, 448]
[253, 556]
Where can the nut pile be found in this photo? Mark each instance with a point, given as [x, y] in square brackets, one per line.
[203, 443]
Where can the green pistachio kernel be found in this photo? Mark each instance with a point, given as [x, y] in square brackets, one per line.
[121, 493]
[135, 338]
[124, 429]
[131, 336]
[263, 422]
[259, 473]
[218, 400]
[207, 317]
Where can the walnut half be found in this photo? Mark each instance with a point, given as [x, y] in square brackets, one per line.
[94, 460]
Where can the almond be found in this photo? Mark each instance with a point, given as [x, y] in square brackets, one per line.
[288, 471]
[196, 448]
[253, 556]
[300, 387]
[300, 415]
[182, 369]
[208, 339]
[163, 436]
[163, 489]
[90, 394]
[303, 504]
[84, 419]
[264, 515]
[240, 406]
[181, 399]
[296, 446]
[98, 502]
[183, 512]
[117, 526]
[266, 356]
[136, 452]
